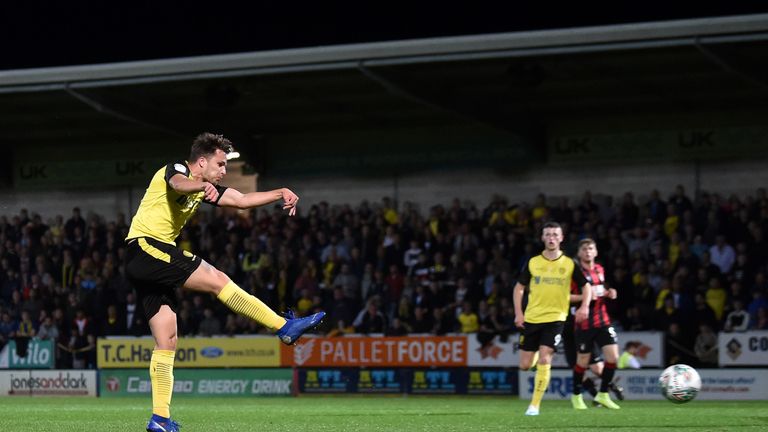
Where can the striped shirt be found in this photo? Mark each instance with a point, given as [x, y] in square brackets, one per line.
[598, 312]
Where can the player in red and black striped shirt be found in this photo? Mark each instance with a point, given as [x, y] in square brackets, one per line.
[596, 329]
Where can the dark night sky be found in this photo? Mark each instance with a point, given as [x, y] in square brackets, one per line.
[66, 33]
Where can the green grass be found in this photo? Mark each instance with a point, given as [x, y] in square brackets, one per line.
[372, 413]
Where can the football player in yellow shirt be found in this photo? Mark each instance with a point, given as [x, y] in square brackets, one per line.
[548, 278]
[155, 267]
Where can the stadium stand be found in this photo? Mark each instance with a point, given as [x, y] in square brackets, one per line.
[679, 264]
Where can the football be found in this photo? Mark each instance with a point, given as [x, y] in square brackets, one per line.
[680, 383]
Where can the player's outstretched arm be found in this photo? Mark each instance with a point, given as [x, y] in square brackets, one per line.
[237, 199]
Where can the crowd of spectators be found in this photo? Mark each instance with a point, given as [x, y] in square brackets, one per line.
[687, 267]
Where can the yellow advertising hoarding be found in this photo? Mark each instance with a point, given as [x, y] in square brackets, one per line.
[129, 352]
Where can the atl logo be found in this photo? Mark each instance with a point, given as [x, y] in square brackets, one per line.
[113, 384]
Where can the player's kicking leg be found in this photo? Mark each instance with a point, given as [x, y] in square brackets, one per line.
[207, 278]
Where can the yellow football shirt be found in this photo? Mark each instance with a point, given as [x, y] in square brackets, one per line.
[163, 211]
[549, 288]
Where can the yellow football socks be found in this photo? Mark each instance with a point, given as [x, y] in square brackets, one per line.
[161, 376]
[245, 304]
[542, 382]
[535, 361]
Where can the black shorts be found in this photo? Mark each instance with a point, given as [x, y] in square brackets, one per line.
[535, 335]
[155, 269]
[587, 340]
[569, 347]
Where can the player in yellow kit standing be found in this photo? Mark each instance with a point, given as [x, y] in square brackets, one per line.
[548, 277]
[155, 267]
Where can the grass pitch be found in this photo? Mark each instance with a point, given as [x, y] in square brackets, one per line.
[372, 413]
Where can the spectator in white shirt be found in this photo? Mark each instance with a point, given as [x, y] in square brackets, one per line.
[411, 256]
[722, 254]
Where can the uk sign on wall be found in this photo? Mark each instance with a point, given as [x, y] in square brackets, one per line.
[743, 349]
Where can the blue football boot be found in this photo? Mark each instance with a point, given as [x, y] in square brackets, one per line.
[162, 424]
[295, 327]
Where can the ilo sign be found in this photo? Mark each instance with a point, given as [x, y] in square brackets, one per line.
[39, 356]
